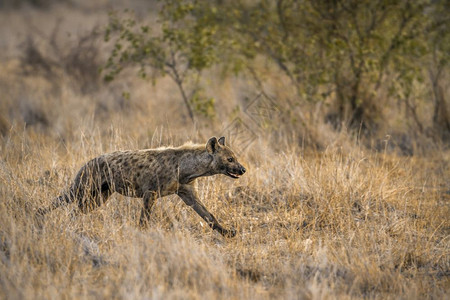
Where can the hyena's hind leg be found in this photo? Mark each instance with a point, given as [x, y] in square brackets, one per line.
[148, 199]
[93, 196]
[93, 185]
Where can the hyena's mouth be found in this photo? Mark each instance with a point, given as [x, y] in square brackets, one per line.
[233, 175]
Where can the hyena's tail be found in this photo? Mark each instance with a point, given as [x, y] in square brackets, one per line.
[63, 200]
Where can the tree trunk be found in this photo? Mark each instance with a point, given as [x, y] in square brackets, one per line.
[441, 116]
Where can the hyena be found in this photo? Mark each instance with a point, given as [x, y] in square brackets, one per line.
[151, 174]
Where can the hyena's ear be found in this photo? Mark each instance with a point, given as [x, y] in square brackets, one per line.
[222, 141]
[211, 145]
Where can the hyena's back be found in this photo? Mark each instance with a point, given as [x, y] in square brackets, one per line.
[129, 173]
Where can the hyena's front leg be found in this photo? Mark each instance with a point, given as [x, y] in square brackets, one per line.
[187, 194]
[149, 199]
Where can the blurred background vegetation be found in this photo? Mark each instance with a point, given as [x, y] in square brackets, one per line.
[364, 69]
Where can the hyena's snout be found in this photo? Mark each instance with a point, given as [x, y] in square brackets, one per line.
[242, 170]
[236, 172]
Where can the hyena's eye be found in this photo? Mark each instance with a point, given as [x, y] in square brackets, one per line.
[230, 159]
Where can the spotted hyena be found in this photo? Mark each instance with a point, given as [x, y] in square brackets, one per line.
[150, 174]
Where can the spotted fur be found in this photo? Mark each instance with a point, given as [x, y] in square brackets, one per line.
[150, 174]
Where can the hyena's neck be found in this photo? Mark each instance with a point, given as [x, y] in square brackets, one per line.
[194, 163]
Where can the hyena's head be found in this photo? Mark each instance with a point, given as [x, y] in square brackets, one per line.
[224, 160]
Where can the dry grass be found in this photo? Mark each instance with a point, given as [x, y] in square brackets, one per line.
[344, 222]
[323, 225]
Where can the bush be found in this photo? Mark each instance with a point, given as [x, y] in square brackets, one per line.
[359, 58]
[80, 61]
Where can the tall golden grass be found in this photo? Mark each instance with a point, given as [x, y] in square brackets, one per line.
[322, 225]
[343, 222]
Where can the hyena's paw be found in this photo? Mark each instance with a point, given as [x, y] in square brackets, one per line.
[144, 223]
[229, 233]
